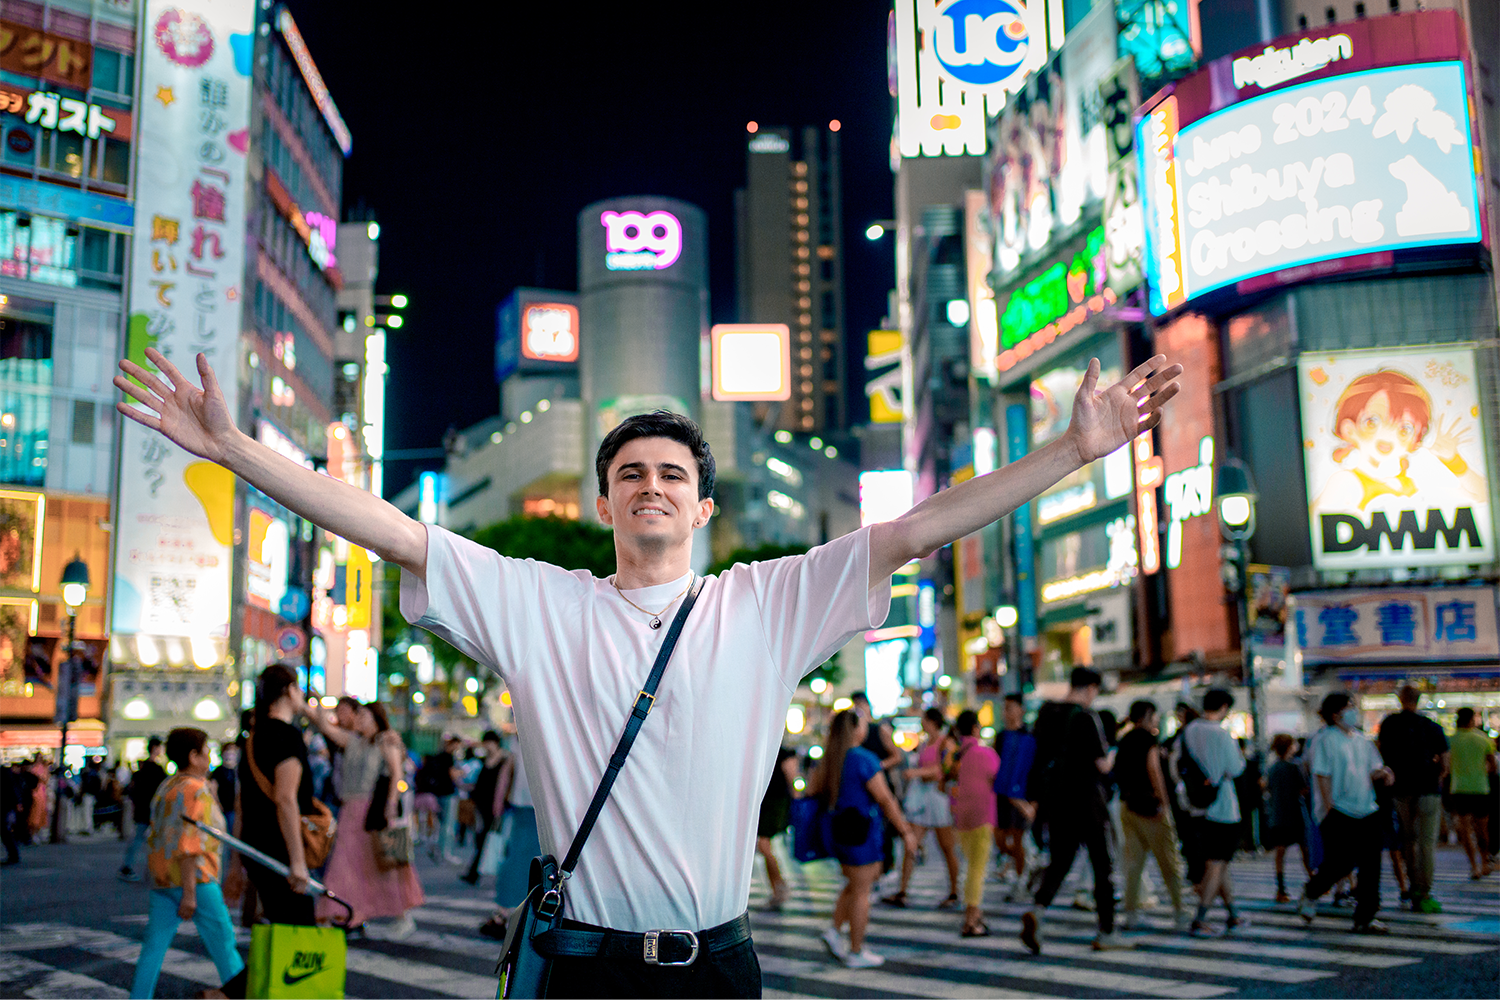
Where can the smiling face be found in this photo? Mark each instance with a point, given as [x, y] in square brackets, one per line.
[1380, 434]
[653, 494]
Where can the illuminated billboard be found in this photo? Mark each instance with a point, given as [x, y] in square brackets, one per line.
[175, 514]
[1344, 166]
[549, 331]
[1396, 472]
[884, 495]
[752, 361]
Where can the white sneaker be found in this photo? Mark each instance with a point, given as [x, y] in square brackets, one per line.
[1112, 942]
[864, 959]
[837, 947]
[402, 928]
[1307, 908]
[1182, 920]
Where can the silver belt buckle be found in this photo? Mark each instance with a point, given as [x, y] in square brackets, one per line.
[651, 947]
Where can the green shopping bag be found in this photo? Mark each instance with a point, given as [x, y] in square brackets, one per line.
[288, 961]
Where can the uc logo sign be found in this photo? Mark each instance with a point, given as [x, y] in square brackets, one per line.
[636, 242]
[979, 43]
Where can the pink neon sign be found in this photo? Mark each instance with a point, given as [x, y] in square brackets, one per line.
[636, 242]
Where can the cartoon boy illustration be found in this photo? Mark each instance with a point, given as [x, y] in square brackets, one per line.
[1382, 419]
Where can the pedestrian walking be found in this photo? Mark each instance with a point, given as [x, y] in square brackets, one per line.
[927, 807]
[882, 744]
[1145, 818]
[1182, 816]
[776, 816]
[1073, 756]
[522, 844]
[143, 785]
[675, 846]
[276, 791]
[226, 785]
[1345, 767]
[436, 784]
[1472, 755]
[487, 797]
[373, 756]
[1014, 813]
[851, 786]
[10, 811]
[972, 792]
[343, 717]
[1416, 750]
[184, 866]
[1207, 747]
[1286, 792]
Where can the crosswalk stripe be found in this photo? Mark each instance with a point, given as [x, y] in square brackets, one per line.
[865, 980]
[64, 985]
[1324, 956]
[1031, 970]
[437, 978]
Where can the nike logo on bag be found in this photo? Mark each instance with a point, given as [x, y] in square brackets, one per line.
[291, 980]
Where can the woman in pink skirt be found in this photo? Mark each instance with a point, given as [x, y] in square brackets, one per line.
[371, 751]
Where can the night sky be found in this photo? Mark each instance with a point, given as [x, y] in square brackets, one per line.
[479, 134]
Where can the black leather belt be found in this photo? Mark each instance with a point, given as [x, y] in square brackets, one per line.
[664, 947]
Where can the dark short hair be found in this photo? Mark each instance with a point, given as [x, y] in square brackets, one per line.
[182, 742]
[657, 424]
[1282, 743]
[347, 702]
[490, 736]
[1083, 677]
[860, 696]
[152, 744]
[1019, 700]
[1216, 699]
[1140, 710]
[274, 682]
[1464, 718]
[935, 716]
[1333, 706]
[967, 722]
[1409, 695]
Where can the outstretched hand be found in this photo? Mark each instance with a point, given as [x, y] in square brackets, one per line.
[1105, 420]
[197, 420]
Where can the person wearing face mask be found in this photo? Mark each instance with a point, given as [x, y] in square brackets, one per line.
[1345, 767]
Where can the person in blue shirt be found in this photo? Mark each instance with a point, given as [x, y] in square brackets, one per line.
[1017, 749]
[851, 785]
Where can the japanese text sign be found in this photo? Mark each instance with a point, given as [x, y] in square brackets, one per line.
[36, 53]
[1451, 623]
[1394, 448]
[64, 114]
[176, 514]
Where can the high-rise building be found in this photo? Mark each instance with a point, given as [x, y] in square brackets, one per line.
[791, 269]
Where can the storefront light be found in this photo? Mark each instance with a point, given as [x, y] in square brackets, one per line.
[136, 709]
[204, 654]
[208, 710]
[147, 651]
[795, 719]
[818, 685]
[842, 704]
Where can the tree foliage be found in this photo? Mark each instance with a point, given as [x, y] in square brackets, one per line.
[759, 553]
[557, 540]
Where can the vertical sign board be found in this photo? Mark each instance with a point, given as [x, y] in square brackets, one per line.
[175, 513]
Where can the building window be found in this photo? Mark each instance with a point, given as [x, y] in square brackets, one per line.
[1301, 22]
[1359, 11]
[1331, 14]
[25, 397]
[37, 248]
[83, 421]
[114, 72]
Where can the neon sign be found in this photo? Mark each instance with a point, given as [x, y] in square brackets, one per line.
[550, 332]
[63, 114]
[1148, 476]
[636, 242]
[994, 36]
[314, 80]
[1189, 493]
[1276, 66]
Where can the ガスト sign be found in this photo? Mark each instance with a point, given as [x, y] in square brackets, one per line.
[1347, 165]
[1395, 461]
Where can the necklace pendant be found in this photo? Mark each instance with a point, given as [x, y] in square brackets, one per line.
[656, 623]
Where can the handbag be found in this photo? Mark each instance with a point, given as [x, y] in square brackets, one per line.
[394, 847]
[523, 968]
[318, 827]
[809, 842]
[293, 961]
[850, 826]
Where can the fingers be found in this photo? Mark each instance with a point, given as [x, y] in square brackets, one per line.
[206, 375]
[1154, 402]
[168, 369]
[1144, 369]
[1156, 381]
[136, 393]
[142, 417]
[146, 378]
[1090, 378]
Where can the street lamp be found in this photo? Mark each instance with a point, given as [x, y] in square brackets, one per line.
[75, 589]
[1236, 494]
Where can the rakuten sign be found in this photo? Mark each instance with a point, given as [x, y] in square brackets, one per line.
[1377, 160]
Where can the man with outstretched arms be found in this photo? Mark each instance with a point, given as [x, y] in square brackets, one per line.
[675, 843]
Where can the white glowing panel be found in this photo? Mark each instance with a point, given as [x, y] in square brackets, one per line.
[1372, 161]
[752, 362]
[884, 495]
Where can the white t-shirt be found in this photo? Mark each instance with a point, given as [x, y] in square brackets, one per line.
[1219, 756]
[1347, 760]
[674, 845]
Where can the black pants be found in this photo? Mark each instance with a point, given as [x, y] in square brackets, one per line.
[277, 900]
[481, 834]
[8, 836]
[734, 972]
[1066, 834]
[1350, 844]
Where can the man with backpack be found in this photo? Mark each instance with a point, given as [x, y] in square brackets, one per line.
[1206, 761]
[1072, 757]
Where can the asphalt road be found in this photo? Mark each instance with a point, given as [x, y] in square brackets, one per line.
[69, 928]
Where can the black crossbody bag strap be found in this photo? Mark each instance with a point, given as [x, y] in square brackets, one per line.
[643, 703]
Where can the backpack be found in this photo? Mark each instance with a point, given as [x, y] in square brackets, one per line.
[1192, 781]
[1050, 735]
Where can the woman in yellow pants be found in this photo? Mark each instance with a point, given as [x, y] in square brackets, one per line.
[972, 789]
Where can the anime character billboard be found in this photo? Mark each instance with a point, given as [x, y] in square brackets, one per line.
[1395, 456]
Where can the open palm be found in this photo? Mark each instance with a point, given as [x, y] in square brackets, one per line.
[196, 419]
[1104, 420]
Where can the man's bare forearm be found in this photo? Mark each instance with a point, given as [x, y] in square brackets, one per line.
[347, 511]
[963, 509]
